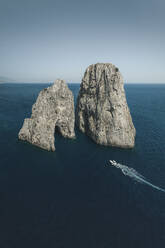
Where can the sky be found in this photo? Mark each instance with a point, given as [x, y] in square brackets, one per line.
[42, 40]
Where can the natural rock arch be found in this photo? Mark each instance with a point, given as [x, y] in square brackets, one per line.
[54, 107]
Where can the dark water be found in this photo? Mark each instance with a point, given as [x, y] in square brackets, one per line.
[68, 198]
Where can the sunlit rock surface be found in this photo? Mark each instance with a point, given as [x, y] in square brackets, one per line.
[102, 111]
[54, 109]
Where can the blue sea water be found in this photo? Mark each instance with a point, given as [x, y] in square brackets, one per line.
[71, 198]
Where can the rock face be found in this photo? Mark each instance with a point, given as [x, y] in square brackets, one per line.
[102, 111]
[54, 109]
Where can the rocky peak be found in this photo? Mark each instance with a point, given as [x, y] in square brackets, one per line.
[102, 111]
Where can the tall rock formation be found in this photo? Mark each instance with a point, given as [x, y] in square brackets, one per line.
[102, 111]
[54, 109]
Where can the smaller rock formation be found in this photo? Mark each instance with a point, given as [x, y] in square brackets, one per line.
[102, 111]
[54, 109]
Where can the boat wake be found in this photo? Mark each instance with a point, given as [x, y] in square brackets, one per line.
[130, 172]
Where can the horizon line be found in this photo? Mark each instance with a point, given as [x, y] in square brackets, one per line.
[51, 82]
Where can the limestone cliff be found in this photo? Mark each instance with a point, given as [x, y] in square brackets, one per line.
[102, 111]
[54, 108]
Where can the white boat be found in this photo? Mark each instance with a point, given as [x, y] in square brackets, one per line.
[113, 162]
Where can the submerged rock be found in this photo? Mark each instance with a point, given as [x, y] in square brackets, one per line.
[54, 109]
[102, 111]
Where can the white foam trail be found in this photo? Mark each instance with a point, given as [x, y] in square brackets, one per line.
[127, 171]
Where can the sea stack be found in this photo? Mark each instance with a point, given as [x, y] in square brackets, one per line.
[53, 110]
[102, 111]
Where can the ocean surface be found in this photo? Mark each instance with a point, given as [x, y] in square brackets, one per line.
[73, 197]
